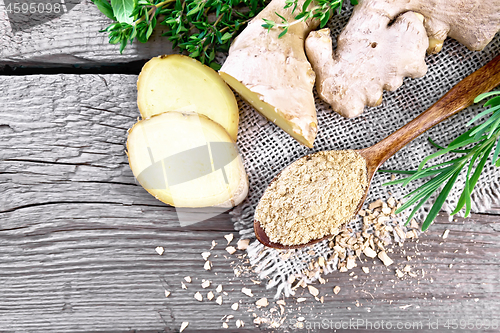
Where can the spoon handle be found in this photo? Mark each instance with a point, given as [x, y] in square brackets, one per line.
[459, 97]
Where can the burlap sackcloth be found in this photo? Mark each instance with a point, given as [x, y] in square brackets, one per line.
[267, 149]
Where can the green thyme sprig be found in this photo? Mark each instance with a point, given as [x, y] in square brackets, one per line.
[322, 11]
[469, 153]
[200, 27]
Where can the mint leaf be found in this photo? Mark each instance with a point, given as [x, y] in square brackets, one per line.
[105, 8]
[122, 9]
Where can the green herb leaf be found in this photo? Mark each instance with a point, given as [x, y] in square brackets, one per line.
[105, 8]
[122, 9]
[495, 101]
[268, 25]
[453, 151]
[480, 139]
[439, 201]
[305, 5]
[149, 31]
[480, 167]
[281, 17]
[496, 153]
[432, 170]
[290, 3]
[485, 95]
[446, 150]
[122, 45]
[467, 192]
[215, 66]
[321, 10]
[480, 129]
[482, 114]
[226, 36]
[190, 24]
[434, 183]
[462, 137]
[324, 19]
[462, 200]
[283, 32]
[417, 207]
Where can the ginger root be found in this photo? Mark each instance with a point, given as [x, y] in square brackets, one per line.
[359, 74]
[187, 160]
[273, 74]
[384, 42]
[179, 83]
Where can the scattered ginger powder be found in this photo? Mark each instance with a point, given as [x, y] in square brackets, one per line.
[313, 197]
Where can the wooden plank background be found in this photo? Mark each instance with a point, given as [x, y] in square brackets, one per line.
[78, 235]
[72, 39]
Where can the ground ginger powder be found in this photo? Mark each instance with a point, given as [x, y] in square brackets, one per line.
[313, 197]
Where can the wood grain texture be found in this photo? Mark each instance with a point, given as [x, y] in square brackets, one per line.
[72, 38]
[78, 236]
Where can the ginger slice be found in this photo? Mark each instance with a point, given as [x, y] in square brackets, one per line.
[273, 74]
[180, 83]
[383, 42]
[187, 160]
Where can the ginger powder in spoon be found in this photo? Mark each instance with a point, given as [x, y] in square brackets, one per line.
[313, 197]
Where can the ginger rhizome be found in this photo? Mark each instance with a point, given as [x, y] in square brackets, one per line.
[184, 150]
[180, 83]
[384, 42]
[187, 160]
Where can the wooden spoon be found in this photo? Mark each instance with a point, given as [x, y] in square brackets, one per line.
[459, 97]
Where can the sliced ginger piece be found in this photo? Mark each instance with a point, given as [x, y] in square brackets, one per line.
[273, 74]
[187, 160]
[180, 83]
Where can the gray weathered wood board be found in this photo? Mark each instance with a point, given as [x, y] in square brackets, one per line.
[78, 235]
[72, 38]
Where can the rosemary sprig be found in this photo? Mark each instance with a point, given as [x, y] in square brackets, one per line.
[200, 27]
[469, 153]
[322, 11]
